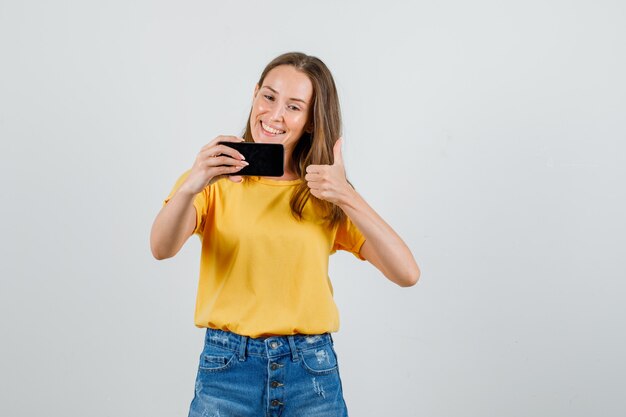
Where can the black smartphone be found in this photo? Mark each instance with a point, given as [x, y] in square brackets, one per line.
[265, 159]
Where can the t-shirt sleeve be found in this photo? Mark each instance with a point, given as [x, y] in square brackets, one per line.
[349, 238]
[200, 202]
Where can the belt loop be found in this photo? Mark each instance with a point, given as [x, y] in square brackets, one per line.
[242, 348]
[292, 345]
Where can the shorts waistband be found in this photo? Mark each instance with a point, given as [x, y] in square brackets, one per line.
[271, 346]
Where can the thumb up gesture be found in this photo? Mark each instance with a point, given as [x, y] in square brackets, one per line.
[328, 182]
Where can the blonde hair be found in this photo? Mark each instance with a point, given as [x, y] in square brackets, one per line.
[315, 146]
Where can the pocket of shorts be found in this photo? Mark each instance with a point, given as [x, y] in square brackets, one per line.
[321, 360]
[216, 359]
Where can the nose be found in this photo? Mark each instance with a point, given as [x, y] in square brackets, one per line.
[276, 112]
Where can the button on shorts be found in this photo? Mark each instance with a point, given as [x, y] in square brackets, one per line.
[276, 376]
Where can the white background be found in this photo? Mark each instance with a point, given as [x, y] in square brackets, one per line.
[489, 134]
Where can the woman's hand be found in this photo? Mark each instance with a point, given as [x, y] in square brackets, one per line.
[328, 182]
[383, 247]
[213, 162]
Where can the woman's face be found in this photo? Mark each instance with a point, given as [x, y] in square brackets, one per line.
[281, 107]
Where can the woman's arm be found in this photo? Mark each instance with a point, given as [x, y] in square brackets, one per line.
[177, 219]
[383, 247]
[173, 225]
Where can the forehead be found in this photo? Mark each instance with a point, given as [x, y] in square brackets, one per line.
[289, 82]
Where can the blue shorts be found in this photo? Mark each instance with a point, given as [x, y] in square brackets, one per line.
[286, 376]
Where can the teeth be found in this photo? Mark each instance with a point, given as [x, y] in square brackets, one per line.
[271, 130]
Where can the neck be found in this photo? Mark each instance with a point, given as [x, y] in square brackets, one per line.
[289, 173]
[288, 168]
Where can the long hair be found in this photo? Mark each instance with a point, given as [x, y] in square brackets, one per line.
[315, 146]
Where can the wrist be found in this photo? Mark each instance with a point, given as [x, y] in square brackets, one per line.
[186, 190]
[348, 198]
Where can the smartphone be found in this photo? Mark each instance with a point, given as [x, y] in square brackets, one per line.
[265, 159]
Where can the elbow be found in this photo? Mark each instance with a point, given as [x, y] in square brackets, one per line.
[159, 247]
[158, 255]
[410, 277]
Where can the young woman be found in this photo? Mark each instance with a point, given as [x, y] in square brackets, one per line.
[264, 295]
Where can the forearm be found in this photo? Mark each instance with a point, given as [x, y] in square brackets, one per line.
[385, 248]
[173, 225]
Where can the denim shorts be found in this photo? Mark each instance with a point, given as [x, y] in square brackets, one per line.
[286, 376]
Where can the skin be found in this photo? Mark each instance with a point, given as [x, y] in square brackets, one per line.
[177, 219]
[283, 103]
[383, 247]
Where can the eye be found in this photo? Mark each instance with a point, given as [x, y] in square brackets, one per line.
[269, 97]
[294, 108]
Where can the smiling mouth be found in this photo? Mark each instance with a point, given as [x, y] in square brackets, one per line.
[270, 130]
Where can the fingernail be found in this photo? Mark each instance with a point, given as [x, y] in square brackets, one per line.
[242, 157]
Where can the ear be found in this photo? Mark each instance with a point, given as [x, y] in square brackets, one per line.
[256, 90]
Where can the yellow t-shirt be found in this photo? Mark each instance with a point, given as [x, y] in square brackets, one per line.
[262, 271]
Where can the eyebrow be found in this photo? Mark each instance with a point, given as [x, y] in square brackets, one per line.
[276, 92]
